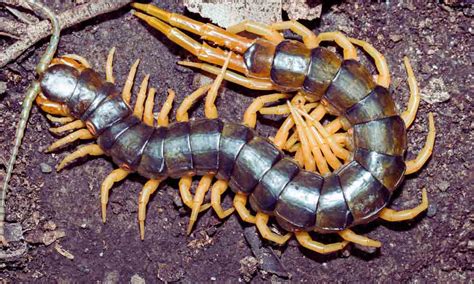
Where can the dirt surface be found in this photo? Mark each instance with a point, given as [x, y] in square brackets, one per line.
[437, 246]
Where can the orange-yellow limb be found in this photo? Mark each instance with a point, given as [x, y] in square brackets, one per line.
[409, 114]
[262, 225]
[163, 119]
[302, 129]
[201, 190]
[210, 108]
[309, 38]
[425, 153]
[318, 129]
[340, 39]
[109, 72]
[148, 189]
[60, 120]
[51, 107]
[115, 176]
[284, 110]
[188, 102]
[207, 32]
[127, 88]
[83, 134]
[148, 117]
[93, 150]
[256, 28]
[240, 202]
[249, 83]
[202, 51]
[391, 215]
[70, 126]
[78, 58]
[250, 115]
[352, 237]
[185, 193]
[383, 78]
[139, 108]
[306, 241]
[218, 188]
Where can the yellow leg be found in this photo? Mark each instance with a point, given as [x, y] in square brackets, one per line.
[302, 130]
[60, 120]
[350, 51]
[409, 115]
[425, 153]
[249, 83]
[115, 176]
[185, 193]
[217, 190]
[262, 226]
[306, 241]
[201, 190]
[250, 115]
[51, 107]
[148, 117]
[309, 38]
[163, 119]
[138, 109]
[350, 236]
[210, 108]
[318, 128]
[109, 72]
[188, 102]
[148, 189]
[70, 126]
[240, 202]
[80, 134]
[391, 215]
[383, 78]
[284, 110]
[78, 58]
[256, 28]
[127, 88]
[93, 150]
[207, 32]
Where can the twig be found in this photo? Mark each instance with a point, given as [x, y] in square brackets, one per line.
[71, 17]
[12, 27]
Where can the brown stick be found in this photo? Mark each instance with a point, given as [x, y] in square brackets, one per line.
[12, 27]
[36, 32]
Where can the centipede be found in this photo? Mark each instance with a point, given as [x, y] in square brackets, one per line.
[310, 177]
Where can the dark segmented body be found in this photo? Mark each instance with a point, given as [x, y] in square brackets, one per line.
[276, 185]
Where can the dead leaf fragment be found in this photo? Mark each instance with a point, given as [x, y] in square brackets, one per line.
[228, 13]
[63, 252]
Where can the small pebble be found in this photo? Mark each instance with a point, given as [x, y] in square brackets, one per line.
[45, 168]
[470, 245]
[3, 87]
[443, 185]
[136, 279]
[431, 210]
[395, 38]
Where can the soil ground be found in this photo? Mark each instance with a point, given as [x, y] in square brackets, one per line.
[437, 246]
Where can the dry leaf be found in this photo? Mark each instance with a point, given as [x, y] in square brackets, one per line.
[227, 13]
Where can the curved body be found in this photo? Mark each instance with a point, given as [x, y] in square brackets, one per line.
[276, 185]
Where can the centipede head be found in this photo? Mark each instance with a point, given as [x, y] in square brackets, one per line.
[58, 82]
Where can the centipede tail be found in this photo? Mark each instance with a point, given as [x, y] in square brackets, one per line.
[31, 93]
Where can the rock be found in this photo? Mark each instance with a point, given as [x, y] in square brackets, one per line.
[443, 185]
[435, 92]
[3, 87]
[112, 277]
[395, 37]
[432, 209]
[248, 267]
[13, 232]
[136, 279]
[45, 168]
